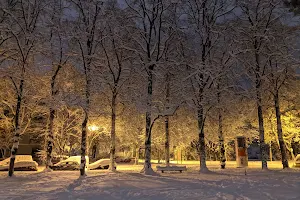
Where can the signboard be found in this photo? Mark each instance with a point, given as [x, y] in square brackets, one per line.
[241, 152]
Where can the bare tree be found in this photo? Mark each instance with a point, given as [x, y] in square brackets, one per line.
[203, 16]
[150, 19]
[280, 72]
[114, 65]
[167, 134]
[85, 35]
[257, 23]
[22, 26]
[224, 61]
[56, 47]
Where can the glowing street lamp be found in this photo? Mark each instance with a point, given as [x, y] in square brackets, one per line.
[93, 128]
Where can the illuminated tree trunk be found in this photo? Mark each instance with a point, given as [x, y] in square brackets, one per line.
[147, 165]
[16, 137]
[201, 141]
[263, 148]
[220, 133]
[167, 142]
[285, 163]
[137, 155]
[221, 142]
[86, 108]
[113, 133]
[50, 137]
[83, 143]
[258, 88]
[167, 139]
[270, 152]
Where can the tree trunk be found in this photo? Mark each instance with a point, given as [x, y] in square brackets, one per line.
[113, 134]
[167, 141]
[270, 152]
[263, 147]
[202, 153]
[147, 165]
[16, 137]
[83, 143]
[220, 131]
[86, 118]
[285, 163]
[158, 156]
[86, 66]
[137, 155]
[50, 137]
[221, 142]
[258, 87]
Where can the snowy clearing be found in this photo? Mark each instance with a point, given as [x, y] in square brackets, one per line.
[128, 183]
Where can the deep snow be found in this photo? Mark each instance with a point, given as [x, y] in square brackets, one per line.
[128, 183]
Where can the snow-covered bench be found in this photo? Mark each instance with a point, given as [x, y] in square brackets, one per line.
[171, 168]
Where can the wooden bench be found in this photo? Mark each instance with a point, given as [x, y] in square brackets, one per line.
[171, 168]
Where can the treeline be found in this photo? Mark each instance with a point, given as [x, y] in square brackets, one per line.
[144, 73]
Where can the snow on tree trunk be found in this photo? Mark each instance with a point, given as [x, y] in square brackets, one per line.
[86, 114]
[221, 142]
[258, 88]
[263, 146]
[261, 20]
[24, 12]
[167, 142]
[113, 134]
[202, 152]
[87, 53]
[16, 137]
[50, 139]
[285, 163]
[220, 131]
[83, 144]
[147, 165]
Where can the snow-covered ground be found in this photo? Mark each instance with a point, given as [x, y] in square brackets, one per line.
[128, 183]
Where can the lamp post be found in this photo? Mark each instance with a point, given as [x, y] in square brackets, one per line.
[91, 128]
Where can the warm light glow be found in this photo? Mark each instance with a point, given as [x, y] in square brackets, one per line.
[93, 128]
